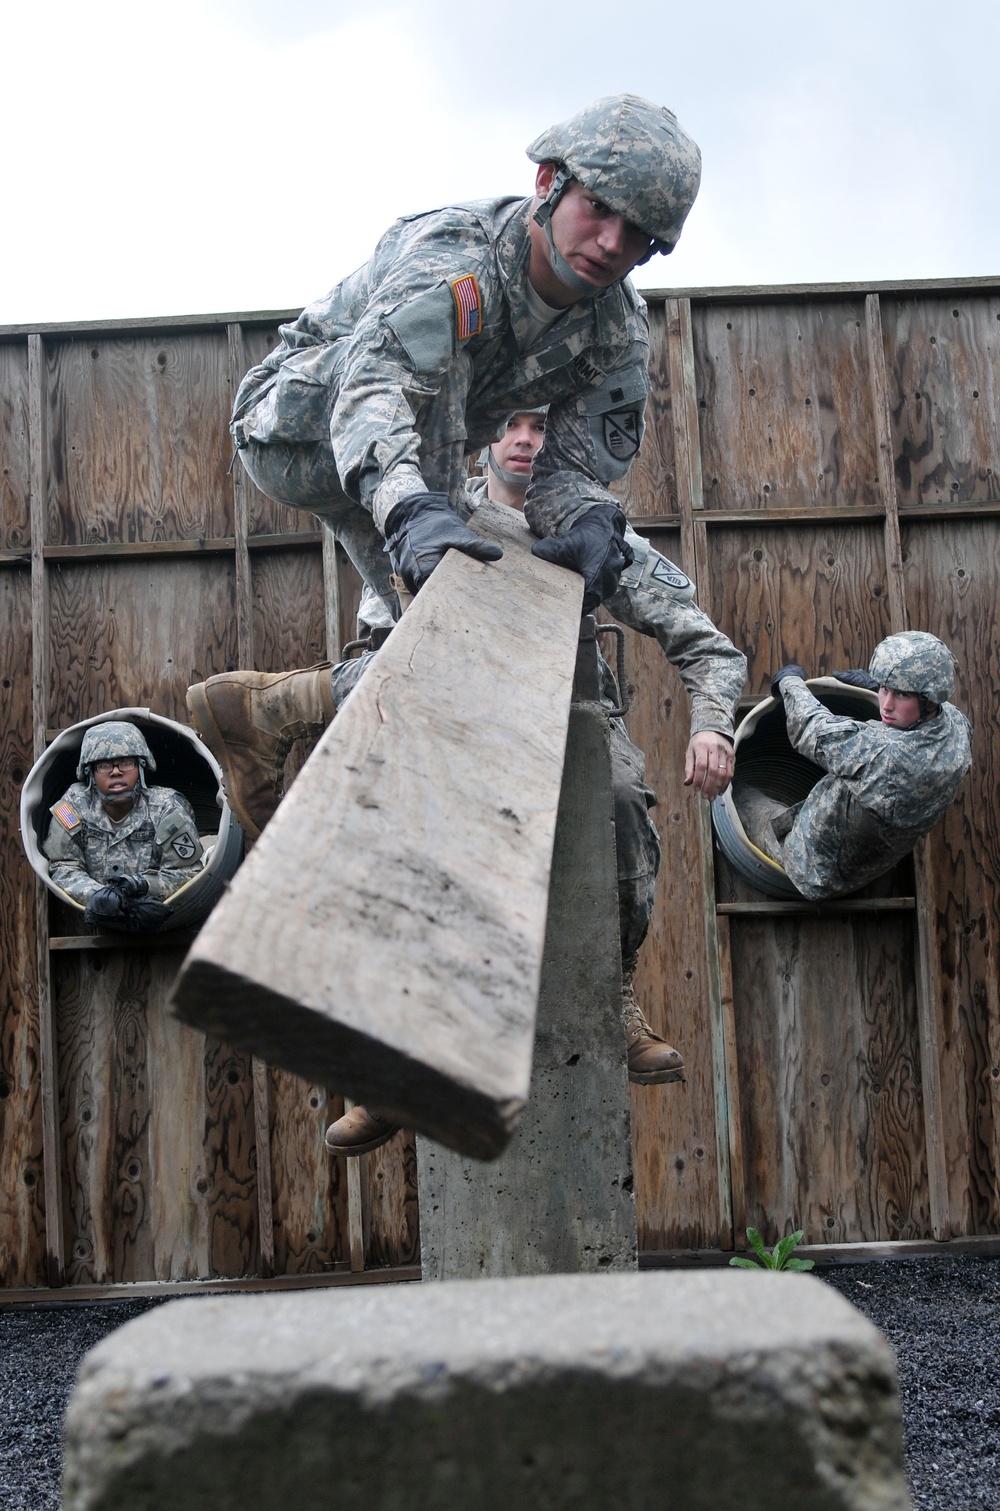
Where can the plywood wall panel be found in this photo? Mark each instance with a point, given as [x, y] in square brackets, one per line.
[784, 406]
[389, 1202]
[22, 1204]
[650, 485]
[676, 1181]
[817, 596]
[951, 586]
[15, 521]
[943, 368]
[289, 622]
[309, 1186]
[157, 1129]
[829, 1078]
[137, 439]
[137, 633]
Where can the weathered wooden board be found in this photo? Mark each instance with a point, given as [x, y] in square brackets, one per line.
[783, 400]
[386, 934]
[22, 1206]
[289, 627]
[134, 428]
[829, 1077]
[130, 633]
[310, 1188]
[15, 514]
[157, 1129]
[943, 365]
[951, 586]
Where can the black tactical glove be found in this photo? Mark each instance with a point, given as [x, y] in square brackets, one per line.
[122, 904]
[794, 670]
[857, 677]
[128, 886]
[595, 546]
[144, 915]
[420, 529]
[104, 910]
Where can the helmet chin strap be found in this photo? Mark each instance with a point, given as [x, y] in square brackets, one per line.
[543, 217]
[512, 479]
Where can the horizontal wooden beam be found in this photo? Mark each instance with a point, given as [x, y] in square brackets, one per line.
[30, 1298]
[109, 550]
[853, 905]
[785, 293]
[145, 325]
[177, 939]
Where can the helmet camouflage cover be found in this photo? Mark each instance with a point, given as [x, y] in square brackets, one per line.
[915, 662]
[110, 740]
[634, 156]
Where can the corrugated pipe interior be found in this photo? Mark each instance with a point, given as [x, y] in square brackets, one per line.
[182, 762]
[767, 761]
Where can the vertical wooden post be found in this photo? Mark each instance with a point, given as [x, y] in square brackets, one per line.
[929, 1016]
[55, 1242]
[331, 593]
[694, 559]
[245, 656]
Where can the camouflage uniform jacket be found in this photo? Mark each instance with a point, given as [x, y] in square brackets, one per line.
[158, 839]
[416, 359]
[885, 788]
[655, 598]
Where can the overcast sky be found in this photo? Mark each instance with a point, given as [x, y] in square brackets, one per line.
[236, 155]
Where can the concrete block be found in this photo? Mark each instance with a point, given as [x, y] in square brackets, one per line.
[560, 1197]
[683, 1391]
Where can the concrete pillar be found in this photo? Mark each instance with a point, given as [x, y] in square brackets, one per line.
[694, 1391]
[559, 1198]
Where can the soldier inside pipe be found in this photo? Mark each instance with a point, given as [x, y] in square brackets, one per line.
[115, 844]
[368, 409]
[887, 781]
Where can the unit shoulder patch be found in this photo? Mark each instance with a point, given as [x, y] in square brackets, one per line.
[664, 571]
[468, 306]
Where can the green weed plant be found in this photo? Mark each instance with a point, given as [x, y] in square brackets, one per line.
[781, 1257]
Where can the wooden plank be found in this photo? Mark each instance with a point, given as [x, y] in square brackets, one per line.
[793, 909]
[137, 439]
[884, 458]
[386, 934]
[309, 1188]
[40, 684]
[831, 1107]
[39, 1298]
[15, 473]
[734, 1117]
[784, 415]
[331, 596]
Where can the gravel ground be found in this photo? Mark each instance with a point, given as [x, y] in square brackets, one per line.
[940, 1315]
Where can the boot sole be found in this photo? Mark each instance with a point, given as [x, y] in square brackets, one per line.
[351, 1151]
[204, 722]
[656, 1077]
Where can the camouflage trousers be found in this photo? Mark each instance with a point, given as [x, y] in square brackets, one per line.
[304, 475]
[637, 844]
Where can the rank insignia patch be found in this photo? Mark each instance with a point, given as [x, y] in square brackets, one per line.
[621, 433]
[665, 571]
[468, 306]
[67, 816]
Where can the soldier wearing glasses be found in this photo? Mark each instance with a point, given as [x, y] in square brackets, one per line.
[115, 844]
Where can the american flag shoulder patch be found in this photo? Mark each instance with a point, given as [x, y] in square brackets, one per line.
[67, 816]
[468, 306]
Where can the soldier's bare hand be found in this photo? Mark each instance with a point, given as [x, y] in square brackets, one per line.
[709, 764]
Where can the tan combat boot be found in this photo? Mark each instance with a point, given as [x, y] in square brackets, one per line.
[651, 1060]
[359, 1132]
[249, 721]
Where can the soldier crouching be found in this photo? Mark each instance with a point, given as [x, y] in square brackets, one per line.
[116, 845]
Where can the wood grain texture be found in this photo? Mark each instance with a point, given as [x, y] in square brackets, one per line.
[288, 616]
[829, 1079]
[783, 401]
[138, 439]
[309, 1187]
[951, 590]
[386, 934]
[22, 1190]
[15, 484]
[943, 360]
[157, 1130]
[815, 597]
[676, 1179]
[137, 633]
[650, 485]
[389, 1203]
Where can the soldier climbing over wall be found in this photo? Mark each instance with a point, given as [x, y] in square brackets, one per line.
[115, 844]
[367, 412]
[888, 781]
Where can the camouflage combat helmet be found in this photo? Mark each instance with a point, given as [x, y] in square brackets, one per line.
[915, 662]
[634, 157]
[113, 738]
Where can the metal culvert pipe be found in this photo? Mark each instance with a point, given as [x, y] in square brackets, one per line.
[182, 762]
[767, 761]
